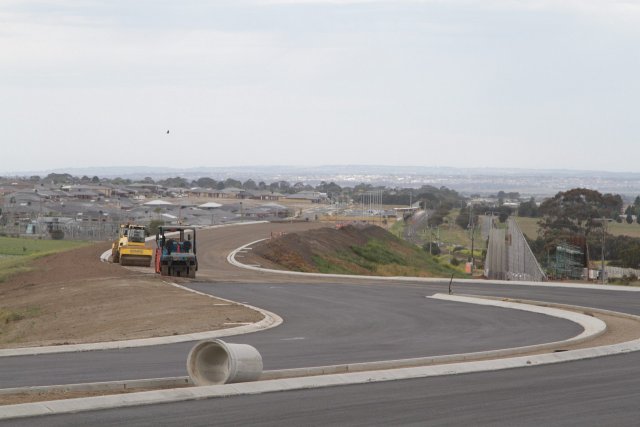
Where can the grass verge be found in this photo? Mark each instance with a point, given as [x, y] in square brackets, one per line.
[375, 258]
[17, 254]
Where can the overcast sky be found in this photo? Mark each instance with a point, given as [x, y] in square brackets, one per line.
[488, 83]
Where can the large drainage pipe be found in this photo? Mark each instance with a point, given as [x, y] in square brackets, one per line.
[217, 362]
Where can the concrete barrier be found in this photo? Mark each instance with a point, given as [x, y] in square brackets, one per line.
[217, 362]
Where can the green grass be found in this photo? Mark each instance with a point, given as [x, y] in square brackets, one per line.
[376, 258]
[397, 229]
[375, 251]
[330, 267]
[17, 254]
[16, 246]
[529, 227]
[453, 235]
[624, 229]
[9, 316]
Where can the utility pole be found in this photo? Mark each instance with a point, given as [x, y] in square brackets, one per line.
[473, 229]
[604, 222]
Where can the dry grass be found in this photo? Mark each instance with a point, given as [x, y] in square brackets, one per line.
[529, 227]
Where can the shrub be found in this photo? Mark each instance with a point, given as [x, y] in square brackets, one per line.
[57, 234]
[435, 250]
[153, 226]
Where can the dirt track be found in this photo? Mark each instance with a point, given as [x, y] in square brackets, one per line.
[72, 297]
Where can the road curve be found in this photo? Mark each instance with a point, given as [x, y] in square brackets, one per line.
[347, 322]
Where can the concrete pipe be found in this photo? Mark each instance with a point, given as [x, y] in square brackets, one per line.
[217, 362]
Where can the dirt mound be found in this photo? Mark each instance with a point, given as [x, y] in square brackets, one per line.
[366, 250]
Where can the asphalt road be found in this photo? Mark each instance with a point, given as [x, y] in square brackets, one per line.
[597, 392]
[334, 323]
[324, 325]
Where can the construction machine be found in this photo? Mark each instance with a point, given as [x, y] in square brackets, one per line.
[130, 248]
[176, 251]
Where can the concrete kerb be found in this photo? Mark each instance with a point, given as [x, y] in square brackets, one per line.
[329, 380]
[115, 386]
[227, 390]
[592, 328]
[233, 261]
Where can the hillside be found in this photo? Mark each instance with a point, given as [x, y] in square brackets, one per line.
[364, 250]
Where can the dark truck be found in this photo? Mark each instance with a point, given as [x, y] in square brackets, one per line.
[176, 251]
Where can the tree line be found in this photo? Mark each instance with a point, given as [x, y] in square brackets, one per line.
[580, 217]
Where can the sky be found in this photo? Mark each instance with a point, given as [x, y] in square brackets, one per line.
[547, 84]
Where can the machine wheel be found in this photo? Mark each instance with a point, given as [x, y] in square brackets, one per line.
[115, 256]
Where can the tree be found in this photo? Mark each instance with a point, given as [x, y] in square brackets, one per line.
[177, 182]
[462, 220]
[120, 181]
[503, 213]
[232, 183]
[59, 178]
[284, 186]
[576, 213]
[205, 182]
[250, 185]
[528, 209]
[629, 214]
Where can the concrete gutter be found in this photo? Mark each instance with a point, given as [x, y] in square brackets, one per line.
[231, 258]
[227, 390]
[371, 372]
[115, 386]
[592, 328]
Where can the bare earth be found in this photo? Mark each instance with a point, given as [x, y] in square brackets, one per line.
[73, 297]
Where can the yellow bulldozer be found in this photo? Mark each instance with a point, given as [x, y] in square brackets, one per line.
[130, 248]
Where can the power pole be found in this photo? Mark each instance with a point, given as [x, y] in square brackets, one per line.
[604, 222]
[473, 229]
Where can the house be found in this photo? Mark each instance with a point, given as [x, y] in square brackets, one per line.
[233, 193]
[268, 210]
[309, 196]
[205, 193]
[98, 190]
[263, 195]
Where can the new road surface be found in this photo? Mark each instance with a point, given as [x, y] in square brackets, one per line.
[345, 321]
